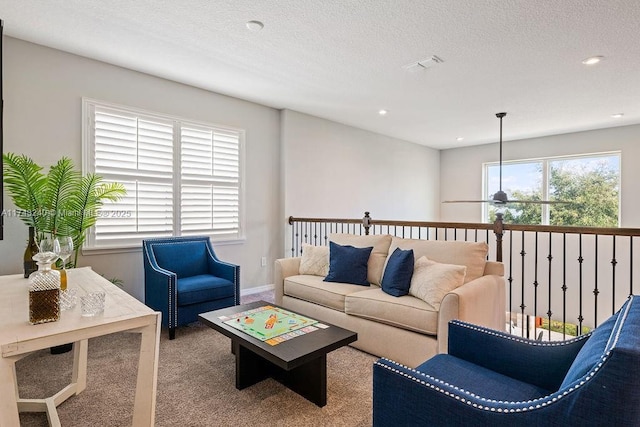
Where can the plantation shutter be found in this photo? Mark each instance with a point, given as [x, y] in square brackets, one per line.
[181, 178]
[210, 181]
[137, 152]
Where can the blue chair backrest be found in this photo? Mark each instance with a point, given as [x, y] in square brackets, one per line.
[621, 330]
[185, 258]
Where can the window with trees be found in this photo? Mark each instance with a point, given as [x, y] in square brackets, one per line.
[590, 182]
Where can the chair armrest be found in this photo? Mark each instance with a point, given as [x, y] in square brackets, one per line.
[225, 270]
[283, 268]
[543, 363]
[160, 288]
[156, 270]
[155, 276]
[480, 301]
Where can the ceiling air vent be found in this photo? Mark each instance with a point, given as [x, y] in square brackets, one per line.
[422, 65]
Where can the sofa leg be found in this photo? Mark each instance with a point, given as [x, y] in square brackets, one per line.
[172, 333]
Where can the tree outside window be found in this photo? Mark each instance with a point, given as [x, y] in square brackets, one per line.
[591, 183]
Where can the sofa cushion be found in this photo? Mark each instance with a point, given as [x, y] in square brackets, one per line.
[378, 256]
[432, 280]
[348, 264]
[314, 289]
[405, 312]
[397, 273]
[315, 260]
[473, 255]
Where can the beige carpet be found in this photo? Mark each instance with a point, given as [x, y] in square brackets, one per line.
[196, 378]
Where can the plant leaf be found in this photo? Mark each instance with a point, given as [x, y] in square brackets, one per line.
[62, 182]
[85, 203]
[25, 184]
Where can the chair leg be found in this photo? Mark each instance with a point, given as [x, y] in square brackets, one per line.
[172, 333]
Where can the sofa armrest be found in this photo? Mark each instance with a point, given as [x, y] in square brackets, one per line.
[284, 268]
[543, 363]
[480, 301]
[494, 268]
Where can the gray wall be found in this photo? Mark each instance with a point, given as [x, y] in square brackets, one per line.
[461, 168]
[295, 164]
[332, 170]
[42, 91]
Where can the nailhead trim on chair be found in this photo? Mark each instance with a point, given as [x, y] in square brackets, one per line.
[542, 401]
[172, 320]
[465, 395]
[506, 336]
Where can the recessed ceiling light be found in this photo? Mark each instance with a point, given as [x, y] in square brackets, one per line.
[254, 25]
[592, 60]
[617, 115]
[460, 138]
[383, 112]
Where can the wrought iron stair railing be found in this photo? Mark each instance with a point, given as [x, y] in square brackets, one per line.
[559, 275]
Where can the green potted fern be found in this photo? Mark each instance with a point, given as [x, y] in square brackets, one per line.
[61, 203]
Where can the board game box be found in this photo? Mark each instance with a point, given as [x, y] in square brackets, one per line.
[272, 324]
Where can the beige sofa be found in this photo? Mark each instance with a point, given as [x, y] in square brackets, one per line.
[406, 328]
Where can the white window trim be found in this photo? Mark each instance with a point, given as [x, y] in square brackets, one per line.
[545, 177]
[88, 166]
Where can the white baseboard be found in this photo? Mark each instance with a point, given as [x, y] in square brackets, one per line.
[256, 290]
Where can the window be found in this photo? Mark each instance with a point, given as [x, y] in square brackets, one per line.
[590, 182]
[181, 177]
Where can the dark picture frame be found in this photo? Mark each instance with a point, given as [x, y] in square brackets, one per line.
[1, 133]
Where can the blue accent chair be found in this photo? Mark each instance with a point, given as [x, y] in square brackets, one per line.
[490, 378]
[183, 278]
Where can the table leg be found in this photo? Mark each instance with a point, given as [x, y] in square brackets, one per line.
[8, 405]
[308, 380]
[144, 408]
[79, 373]
[250, 368]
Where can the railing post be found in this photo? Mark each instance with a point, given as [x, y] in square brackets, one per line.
[498, 231]
[366, 223]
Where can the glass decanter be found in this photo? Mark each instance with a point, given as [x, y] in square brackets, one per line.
[44, 286]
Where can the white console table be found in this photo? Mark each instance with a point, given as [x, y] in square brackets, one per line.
[18, 338]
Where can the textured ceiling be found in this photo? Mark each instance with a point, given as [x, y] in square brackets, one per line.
[343, 59]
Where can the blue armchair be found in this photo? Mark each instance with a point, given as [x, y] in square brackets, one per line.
[183, 278]
[490, 378]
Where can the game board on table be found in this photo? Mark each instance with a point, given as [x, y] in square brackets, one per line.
[268, 322]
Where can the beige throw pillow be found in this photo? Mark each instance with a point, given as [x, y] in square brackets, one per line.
[473, 255]
[431, 280]
[315, 260]
[380, 243]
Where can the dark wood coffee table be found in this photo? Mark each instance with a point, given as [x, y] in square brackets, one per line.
[299, 363]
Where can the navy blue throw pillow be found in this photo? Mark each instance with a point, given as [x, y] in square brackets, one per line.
[348, 264]
[397, 275]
